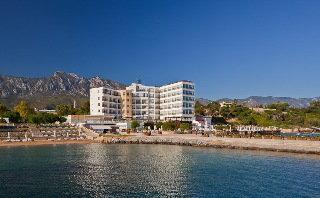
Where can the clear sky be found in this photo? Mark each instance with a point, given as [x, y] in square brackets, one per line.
[228, 48]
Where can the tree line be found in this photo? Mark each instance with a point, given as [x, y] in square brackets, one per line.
[24, 113]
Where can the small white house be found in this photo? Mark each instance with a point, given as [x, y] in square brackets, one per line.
[202, 123]
[6, 119]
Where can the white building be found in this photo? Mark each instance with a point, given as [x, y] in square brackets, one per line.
[203, 123]
[105, 101]
[145, 101]
[169, 102]
[177, 101]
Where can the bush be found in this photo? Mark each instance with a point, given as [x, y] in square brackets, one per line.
[185, 126]
[158, 125]
[13, 116]
[45, 118]
[170, 126]
[146, 125]
[134, 124]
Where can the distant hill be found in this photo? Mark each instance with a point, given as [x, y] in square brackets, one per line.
[254, 101]
[64, 88]
[46, 92]
[203, 101]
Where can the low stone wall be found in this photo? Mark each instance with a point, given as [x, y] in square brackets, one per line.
[293, 146]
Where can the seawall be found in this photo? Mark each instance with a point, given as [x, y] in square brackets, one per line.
[292, 146]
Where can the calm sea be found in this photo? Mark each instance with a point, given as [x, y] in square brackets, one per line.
[99, 170]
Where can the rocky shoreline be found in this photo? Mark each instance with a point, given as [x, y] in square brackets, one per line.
[44, 142]
[292, 146]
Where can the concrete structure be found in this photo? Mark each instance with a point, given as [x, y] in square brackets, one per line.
[5, 119]
[105, 101]
[90, 119]
[226, 104]
[45, 110]
[177, 101]
[126, 100]
[145, 101]
[169, 102]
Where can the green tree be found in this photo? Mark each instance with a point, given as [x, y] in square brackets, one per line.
[3, 109]
[213, 109]
[248, 120]
[146, 125]
[199, 108]
[280, 106]
[44, 118]
[13, 116]
[185, 126]
[170, 126]
[35, 119]
[219, 120]
[314, 106]
[24, 109]
[158, 125]
[83, 110]
[63, 110]
[134, 124]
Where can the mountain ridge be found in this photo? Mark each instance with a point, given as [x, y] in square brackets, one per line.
[63, 87]
[254, 101]
[69, 86]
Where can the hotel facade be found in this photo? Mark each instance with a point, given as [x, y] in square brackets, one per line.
[173, 101]
[105, 101]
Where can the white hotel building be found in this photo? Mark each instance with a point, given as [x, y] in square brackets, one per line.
[177, 101]
[174, 101]
[105, 101]
[145, 101]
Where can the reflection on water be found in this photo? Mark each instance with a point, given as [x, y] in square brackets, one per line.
[139, 170]
[99, 170]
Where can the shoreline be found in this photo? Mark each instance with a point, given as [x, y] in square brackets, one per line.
[274, 145]
[44, 142]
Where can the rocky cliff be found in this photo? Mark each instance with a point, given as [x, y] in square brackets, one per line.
[58, 88]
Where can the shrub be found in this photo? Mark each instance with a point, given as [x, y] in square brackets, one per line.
[146, 125]
[185, 126]
[134, 124]
[158, 125]
[45, 118]
[170, 126]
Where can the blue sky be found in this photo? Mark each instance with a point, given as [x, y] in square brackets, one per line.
[228, 48]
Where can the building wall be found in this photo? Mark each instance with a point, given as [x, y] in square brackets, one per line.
[126, 100]
[177, 101]
[169, 102]
[105, 101]
[145, 101]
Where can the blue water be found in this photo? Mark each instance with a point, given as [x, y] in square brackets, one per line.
[99, 170]
[300, 134]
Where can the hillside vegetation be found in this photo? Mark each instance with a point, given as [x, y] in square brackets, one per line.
[276, 114]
